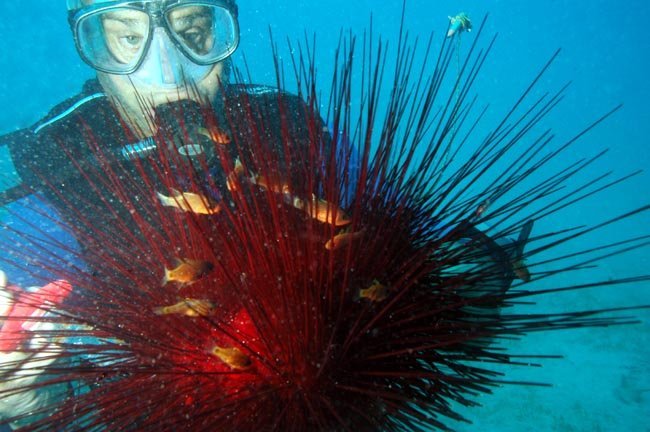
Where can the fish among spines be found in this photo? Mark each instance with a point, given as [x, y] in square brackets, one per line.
[232, 181]
[519, 267]
[233, 357]
[189, 202]
[188, 307]
[316, 208]
[343, 239]
[376, 292]
[215, 134]
[323, 211]
[280, 187]
[187, 271]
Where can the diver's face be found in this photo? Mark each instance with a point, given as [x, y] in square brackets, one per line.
[161, 76]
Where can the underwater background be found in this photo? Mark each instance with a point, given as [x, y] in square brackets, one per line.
[602, 383]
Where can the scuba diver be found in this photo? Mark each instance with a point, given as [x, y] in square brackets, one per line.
[145, 53]
[153, 59]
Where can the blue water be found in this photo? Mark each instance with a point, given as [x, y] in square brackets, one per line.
[602, 383]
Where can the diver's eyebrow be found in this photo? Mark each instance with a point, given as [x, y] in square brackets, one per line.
[124, 20]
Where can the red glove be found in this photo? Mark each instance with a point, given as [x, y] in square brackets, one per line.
[27, 308]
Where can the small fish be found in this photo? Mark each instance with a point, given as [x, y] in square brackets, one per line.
[215, 134]
[187, 271]
[481, 209]
[521, 270]
[506, 252]
[188, 307]
[323, 211]
[189, 202]
[376, 292]
[231, 181]
[342, 239]
[233, 357]
[517, 261]
[264, 183]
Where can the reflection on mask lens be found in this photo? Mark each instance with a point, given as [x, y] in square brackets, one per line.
[204, 32]
[193, 27]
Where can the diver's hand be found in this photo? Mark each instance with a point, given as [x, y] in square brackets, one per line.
[25, 349]
[6, 300]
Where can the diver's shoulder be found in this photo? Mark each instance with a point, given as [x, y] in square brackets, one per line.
[87, 100]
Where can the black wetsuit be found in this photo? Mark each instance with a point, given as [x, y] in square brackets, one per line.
[85, 135]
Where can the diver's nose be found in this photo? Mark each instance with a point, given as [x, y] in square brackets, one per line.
[164, 53]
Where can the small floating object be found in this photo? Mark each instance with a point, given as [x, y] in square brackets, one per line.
[459, 24]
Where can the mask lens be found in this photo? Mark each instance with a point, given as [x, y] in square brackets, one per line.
[206, 33]
[114, 40]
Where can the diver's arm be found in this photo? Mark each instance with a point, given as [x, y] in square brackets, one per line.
[18, 189]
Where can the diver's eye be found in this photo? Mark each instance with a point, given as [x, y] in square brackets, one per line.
[132, 41]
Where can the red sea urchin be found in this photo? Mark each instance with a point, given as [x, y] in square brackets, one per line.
[347, 284]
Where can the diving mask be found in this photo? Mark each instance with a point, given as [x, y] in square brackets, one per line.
[165, 41]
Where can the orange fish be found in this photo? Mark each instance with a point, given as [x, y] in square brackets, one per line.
[233, 357]
[231, 180]
[187, 271]
[323, 211]
[188, 307]
[215, 134]
[375, 292]
[264, 183]
[342, 239]
[189, 202]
